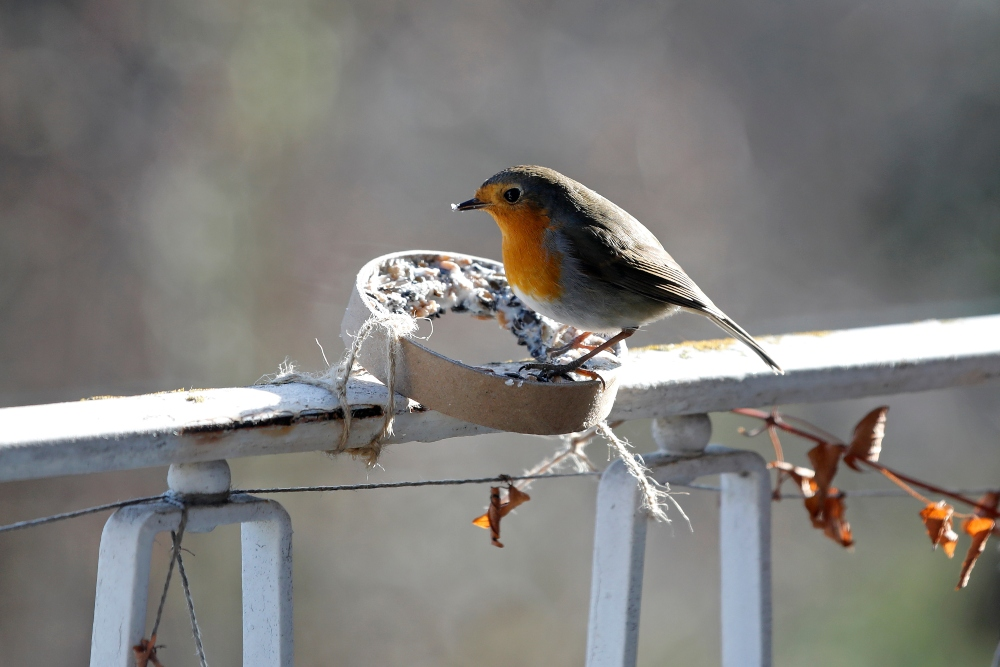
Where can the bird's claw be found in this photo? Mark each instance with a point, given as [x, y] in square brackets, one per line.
[546, 372]
[593, 375]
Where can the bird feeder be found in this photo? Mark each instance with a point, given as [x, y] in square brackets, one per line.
[429, 284]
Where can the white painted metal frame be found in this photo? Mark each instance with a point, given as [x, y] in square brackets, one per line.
[188, 429]
[124, 566]
[745, 555]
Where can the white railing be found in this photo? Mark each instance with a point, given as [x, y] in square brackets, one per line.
[206, 427]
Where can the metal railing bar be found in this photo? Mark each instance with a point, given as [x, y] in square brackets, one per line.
[202, 425]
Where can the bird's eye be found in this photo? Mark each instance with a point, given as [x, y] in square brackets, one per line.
[512, 195]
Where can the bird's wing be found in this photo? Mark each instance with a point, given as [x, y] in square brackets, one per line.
[620, 251]
[611, 250]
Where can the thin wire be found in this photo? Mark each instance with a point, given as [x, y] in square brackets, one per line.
[195, 630]
[699, 487]
[31, 523]
[430, 482]
[175, 552]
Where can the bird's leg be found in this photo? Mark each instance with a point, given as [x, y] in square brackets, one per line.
[572, 345]
[593, 375]
[549, 371]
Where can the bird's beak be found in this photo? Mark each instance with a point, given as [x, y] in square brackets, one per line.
[470, 205]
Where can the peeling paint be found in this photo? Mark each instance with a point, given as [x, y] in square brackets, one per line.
[282, 419]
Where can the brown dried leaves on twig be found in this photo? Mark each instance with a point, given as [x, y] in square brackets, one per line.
[937, 519]
[978, 527]
[499, 510]
[866, 444]
[827, 514]
[145, 653]
[571, 453]
[825, 504]
[825, 457]
[826, 508]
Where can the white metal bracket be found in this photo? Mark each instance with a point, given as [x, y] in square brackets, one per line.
[124, 566]
[745, 550]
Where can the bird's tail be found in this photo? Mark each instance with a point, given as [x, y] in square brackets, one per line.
[723, 321]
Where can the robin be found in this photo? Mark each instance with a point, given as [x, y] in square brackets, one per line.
[576, 257]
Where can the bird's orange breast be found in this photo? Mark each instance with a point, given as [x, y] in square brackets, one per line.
[532, 269]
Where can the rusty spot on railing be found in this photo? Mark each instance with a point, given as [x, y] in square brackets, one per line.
[280, 420]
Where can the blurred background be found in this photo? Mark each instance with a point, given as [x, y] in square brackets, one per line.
[187, 189]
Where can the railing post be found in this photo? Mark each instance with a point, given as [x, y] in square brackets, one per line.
[123, 581]
[745, 557]
[124, 566]
[267, 588]
[745, 546]
[616, 577]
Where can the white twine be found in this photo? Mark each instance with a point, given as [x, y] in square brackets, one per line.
[335, 380]
[396, 328]
[653, 493]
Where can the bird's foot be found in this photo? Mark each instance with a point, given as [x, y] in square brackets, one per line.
[546, 372]
[575, 344]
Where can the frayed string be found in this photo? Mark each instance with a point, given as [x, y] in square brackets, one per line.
[396, 328]
[335, 379]
[653, 493]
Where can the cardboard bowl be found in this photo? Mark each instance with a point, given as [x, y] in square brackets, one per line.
[480, 395]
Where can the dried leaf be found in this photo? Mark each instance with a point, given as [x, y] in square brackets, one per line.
[815, 505]
[937, 518]
[141, 655]
[145, 653]
[835, 527]
[515, 497]
[825, 457]
[949, 543]
[827, 514]
[801, 476]
[866, 444]
[498, 510]
[979, 528]
[492, 517]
